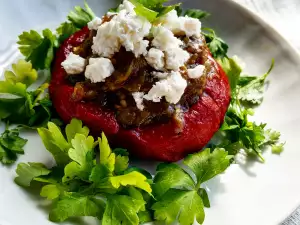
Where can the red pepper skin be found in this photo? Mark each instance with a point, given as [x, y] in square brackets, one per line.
[155, 142]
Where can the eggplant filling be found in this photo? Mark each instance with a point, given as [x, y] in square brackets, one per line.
[134, 74]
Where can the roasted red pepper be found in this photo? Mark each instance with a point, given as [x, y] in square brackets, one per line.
[156, 142]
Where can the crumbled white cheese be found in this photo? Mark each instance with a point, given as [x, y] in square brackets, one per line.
[156, 58]
[160, 75]
[175, 58]
[111, 13]
[172, 88]
[106, 42]
[170, 21]
[74, 64]
[164, 39]
[125, 29]
[99, 69]
[138, 98]
[95, 23]
[127, 5]
[140, 48]
[135, 28]
[189, 26]
[196, 72]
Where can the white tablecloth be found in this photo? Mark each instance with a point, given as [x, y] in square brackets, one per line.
[284, 15]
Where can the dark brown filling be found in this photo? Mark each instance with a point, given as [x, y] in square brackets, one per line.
[135, 75]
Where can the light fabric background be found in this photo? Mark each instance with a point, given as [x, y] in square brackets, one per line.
[283, 15]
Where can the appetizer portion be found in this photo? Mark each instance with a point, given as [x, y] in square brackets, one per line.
[152, 87]
[143, 78]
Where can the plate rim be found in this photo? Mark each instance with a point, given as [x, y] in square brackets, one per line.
[269, 28]
[290, 48]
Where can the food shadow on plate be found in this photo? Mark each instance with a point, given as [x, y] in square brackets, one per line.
[214, 187]
[246, 163]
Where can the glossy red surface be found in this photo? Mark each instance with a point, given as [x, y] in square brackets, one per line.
[156, 142]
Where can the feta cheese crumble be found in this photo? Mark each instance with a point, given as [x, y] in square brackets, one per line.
[99, 69]
[106, 42]
[156, 59]
[164, 39]
[129, 30]
[196, 72]
[138, 98]
[74, 64]
[171, 21]
[95, 23]
[189, 26]
[125, 29]
[172, 88]
[127, 5]
[175, 58]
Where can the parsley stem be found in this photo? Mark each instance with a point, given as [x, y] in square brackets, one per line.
[41, 90]
[260, 156]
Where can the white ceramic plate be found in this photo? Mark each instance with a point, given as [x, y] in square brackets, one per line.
[260, 194]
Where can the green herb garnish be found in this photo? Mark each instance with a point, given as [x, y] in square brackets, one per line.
[21, 105]
[81, 180]
[81, 16]
[238, 132]
[196, 13]
[217, 46]
[178, 195]
[153, 9]
[85, 184]
[38, 49]
[11, 145]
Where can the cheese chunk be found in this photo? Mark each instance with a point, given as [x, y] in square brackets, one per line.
[99, 69]
[156, 58]
[187, 25]
[125, 29]
[74, 64]
[171, 21]
[175, 58]
[128, 6]
[190, 26]
[196, 72]
[164, 39]
[138, 98]
[95, 23]
[172, 88]
[106, 42]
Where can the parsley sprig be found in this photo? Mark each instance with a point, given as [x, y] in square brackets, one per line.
[11, 145]
[238, 131]
[22, 104]
[179, 196]
[104, 186]
[39, 49]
